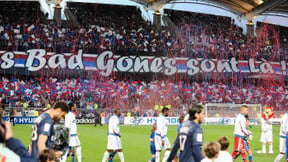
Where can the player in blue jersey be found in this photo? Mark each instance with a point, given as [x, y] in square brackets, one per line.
[43, 129]
[247, 144]
[190, 137]
[152, 143]
[181, 120]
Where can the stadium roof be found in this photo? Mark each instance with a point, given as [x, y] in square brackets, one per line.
[239, 6]
[272, 11]
[248, 8]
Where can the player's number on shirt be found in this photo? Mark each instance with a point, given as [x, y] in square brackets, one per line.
[34, 128]
[183, 137]
[34, 133]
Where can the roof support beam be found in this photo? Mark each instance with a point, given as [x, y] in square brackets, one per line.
[252, 3]
[262, 8]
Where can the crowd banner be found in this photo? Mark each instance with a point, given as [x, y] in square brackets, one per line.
[106, 62]
[148, 120]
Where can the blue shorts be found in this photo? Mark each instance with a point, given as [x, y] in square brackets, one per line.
[152, 149]
[247, 145]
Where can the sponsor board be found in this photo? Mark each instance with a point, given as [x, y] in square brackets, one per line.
[143, 120]
[148, 120]
[227, 121]
[21, 120]
[30, 120]
[85, 120]
[276, 121]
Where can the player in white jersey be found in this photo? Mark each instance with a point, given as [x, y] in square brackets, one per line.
[266, 126]
[283, 137]
[74, 142]
[161, 139]
[240, 132]
[114, 142]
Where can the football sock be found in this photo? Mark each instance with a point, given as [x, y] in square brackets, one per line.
[153, 158]
[111, 156]
[157, 157]
[243, 154]
[235, 154]
[105, 157]
[121, 156]
[263, 147]
[250, 157]
[72, 154]
[166, 155]
[79, 153]
[278, 158]
[271, 147]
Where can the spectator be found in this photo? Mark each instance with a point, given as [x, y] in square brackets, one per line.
[128, 114]
[47, 155]
[211, 150]
[97, 118]
[15, 150]
[12, 116]
[224, 155]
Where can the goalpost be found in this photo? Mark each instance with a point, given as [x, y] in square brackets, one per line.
[225, 114]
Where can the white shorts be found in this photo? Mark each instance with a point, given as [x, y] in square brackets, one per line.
[74, 141]
[114, 143]
[282, 145]
[266, 136]
[158, 143]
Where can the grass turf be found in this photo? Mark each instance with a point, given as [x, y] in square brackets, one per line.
[135, 141]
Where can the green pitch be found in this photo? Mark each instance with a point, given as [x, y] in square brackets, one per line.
[135, 141]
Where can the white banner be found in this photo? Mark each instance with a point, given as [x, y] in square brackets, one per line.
[106, 62]
[227, 121]
[148, 120]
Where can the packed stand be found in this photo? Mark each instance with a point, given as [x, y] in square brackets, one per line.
[210, 36]
[17, 19]
[99, 31]
[275, 40]
[130, 94]
[124, 32]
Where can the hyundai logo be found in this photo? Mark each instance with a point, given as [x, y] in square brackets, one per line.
[136, 121]
[226, 121]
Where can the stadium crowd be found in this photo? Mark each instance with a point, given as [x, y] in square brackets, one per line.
[125, 32]
[210, 36]
[23, 26]
[113, 93]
